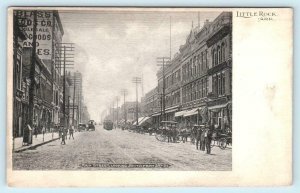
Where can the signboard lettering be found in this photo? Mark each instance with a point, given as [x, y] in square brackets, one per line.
[43, 31]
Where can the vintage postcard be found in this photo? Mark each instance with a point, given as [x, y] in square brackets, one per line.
[149, 97]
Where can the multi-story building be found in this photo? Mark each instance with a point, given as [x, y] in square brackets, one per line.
[20, 100]
[130, 111]
[42, 108]
[48, 89]
[197, 82]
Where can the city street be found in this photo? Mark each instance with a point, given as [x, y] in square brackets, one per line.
[115, 149]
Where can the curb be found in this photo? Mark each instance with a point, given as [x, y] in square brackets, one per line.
[34, 146]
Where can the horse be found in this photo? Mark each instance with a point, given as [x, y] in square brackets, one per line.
[185, 133]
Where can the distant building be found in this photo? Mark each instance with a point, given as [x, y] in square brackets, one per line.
[198, 79]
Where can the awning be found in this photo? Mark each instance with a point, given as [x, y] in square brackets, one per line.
[180, 113]
[140, 119]
[145, 120]
[218, 106]
[171, 109]
[191, 112]
[156, 114]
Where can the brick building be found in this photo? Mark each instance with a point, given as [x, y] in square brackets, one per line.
[198, 78]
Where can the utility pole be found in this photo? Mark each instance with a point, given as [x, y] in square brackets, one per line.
[68, 62]
[113, 109]
[170, 38]
[124, 92]
[78, 110]
[142, 84]
[74, 86]
[117, 98]
[32, 70]
[163, 61]
[68, 122]
[64, 87]
[136, 80]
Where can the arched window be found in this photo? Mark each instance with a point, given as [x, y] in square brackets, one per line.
[219, 55]
[223, 52]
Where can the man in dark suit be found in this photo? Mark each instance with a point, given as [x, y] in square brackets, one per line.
[208, 138]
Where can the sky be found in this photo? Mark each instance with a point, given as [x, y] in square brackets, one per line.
[113, 47]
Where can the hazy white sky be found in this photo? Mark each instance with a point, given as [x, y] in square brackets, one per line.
[112, 47]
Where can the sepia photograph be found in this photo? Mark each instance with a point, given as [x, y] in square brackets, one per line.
[149, 96]
[107, 90]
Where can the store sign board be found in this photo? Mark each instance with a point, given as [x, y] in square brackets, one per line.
[43, 31]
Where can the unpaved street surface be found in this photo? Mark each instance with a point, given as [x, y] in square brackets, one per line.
[120, 150]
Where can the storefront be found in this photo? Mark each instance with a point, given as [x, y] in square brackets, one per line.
[220, 114]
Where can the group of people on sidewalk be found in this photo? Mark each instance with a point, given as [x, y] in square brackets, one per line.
[63, 134]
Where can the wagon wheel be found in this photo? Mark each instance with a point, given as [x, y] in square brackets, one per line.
[160, 136]
[223, 143]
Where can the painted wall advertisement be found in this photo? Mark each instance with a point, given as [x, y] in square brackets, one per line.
[43, 31]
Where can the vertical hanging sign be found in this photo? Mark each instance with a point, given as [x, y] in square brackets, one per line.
[44, 31]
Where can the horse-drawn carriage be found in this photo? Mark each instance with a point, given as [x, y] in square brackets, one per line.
[168, 132]
[221, 139]
[171, 133]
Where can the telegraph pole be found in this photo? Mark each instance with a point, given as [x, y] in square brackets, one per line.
[68, 122]
[32, 70]
[74, 86]
[68, 62]
[136, 80]
[163, 61]
[124, 92]
[64, 87]
[117, 98]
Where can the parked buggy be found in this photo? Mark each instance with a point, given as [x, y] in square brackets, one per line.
[167, 132]
[221, 139]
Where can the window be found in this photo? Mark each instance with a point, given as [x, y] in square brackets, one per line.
[202, 61]
[213, 57]
[223, 83]
[194, 65]
[198, 64]
[206, 62]
[219, 55]
[223, 52]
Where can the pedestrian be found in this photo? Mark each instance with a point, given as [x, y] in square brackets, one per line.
[71, 132]
[35, 130]
[59, 131]
[43, 131]
[63, 137]
[208, 138]
[66, 133]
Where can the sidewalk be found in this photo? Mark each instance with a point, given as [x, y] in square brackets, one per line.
[36, 141]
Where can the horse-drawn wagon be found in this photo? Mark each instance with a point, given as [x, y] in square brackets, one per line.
[168, 132]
